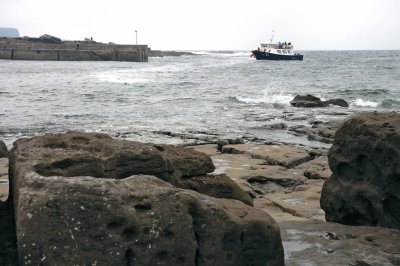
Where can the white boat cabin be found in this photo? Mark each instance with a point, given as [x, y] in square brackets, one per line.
[277, 48]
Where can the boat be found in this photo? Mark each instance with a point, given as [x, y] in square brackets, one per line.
[276, 51]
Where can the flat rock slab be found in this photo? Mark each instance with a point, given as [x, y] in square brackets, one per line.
[254, 175]
[326, 244]
[286, 194]
[302, 203]
[317, 168]
[284, 155]
[209, 149]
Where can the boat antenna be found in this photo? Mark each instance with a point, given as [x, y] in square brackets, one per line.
[272, 35]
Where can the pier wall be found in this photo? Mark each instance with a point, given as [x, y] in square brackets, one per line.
[19, 49]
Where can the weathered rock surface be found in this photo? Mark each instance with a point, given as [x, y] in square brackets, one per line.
[3, 149]
[273, 154]
[319, 131]
[76, 202]
[313, 101]
[97, 155]
[284, 192]
[338, 102]
[307, 101]
[326, 244]
[218, 186]
[364, 188]
[292, 197]
[139, 220]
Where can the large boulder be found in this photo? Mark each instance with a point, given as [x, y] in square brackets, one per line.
[98, 155]
[3, 149]
[77, 203]
[364, 188]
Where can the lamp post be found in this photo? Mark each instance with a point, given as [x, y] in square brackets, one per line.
[136, 36]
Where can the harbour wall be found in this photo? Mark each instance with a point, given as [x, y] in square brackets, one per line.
[20, 49]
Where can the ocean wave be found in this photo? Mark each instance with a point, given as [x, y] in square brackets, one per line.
[269, 99]
[361, 103]
[201, 52]
[120, 79]
[224, 53]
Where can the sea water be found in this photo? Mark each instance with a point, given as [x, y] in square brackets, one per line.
[201, 97]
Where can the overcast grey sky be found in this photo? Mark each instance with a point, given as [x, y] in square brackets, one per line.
[212, 24]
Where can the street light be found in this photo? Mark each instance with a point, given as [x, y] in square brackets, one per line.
[136, 36]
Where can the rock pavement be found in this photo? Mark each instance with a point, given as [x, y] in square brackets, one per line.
[283, 181]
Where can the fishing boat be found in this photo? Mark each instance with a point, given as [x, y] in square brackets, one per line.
[276, 51]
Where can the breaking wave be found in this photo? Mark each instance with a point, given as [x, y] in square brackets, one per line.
[361, 103]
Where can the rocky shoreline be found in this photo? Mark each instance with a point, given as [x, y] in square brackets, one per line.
[281, 181]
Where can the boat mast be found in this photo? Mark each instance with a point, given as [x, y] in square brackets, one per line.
[272, 36]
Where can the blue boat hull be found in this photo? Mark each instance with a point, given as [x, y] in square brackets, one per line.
[268, 56]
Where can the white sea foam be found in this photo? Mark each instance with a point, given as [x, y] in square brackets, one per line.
[224, 54]
[361, 103]
[201, 52]
[277, 98]
[121, 77]
[270, 95]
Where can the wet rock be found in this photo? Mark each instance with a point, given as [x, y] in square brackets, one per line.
[308, 101]
[319, 131]
[283, 182]
[236, 141]
[3, 149]
[338, 102]
[277, 126]
[76, 212]
[322, 243]
[364, 159]
[222, 143]
[313, 101]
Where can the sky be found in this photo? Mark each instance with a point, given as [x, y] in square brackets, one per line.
[212, 24]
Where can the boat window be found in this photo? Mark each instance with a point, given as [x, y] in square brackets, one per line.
[284, 51]
[279, 51]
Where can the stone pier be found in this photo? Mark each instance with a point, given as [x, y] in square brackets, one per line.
[38, 49]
